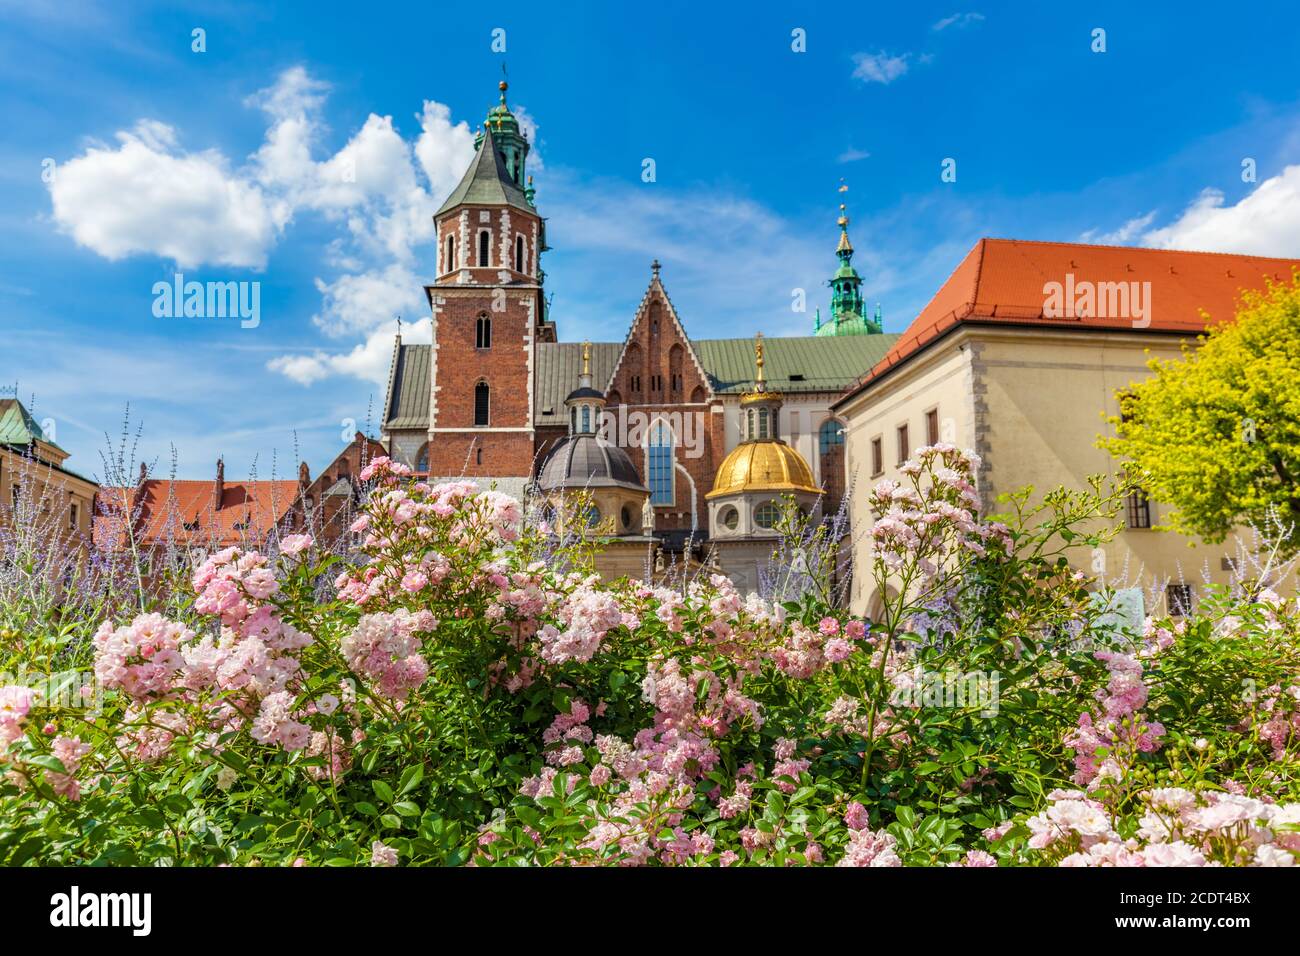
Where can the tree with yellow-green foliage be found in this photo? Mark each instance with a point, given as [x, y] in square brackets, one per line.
[1216, 433]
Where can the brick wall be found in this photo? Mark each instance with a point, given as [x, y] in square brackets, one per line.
[509, 300]
[657, 377]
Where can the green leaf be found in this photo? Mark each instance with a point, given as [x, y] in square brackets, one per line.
[411, 778]
[382, 790]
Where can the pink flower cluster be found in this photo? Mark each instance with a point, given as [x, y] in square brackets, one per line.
[15, 705]
[70, 751]
[586, 616]
[384, 649]
[1119, 731]
[142, 658]
[1178, 828]
[927, 522]
[231, 582]
[804, 652]
[870, 848]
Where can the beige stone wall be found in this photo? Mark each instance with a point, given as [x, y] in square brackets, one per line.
[1045, 399]
[1032, 403]
[941, 381]
[66, 495]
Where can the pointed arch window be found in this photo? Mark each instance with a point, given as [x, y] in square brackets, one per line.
[519, 253]
[659, 464]
[482, 404]
[484, 247]
[483, 332]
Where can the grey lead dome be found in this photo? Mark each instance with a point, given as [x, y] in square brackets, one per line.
[585, 461]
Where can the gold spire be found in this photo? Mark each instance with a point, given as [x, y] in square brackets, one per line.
[759, 393]
[843, 223]
[586, 358]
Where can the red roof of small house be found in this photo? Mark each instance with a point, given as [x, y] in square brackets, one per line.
[186, 511]
[1004, 282]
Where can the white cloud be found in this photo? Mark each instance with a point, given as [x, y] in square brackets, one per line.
[360, 301]
[852, 155]
[958, 20]
[443, 149]
[1124, 235]
[879, 67]
[368, 360]
[149, 197]
[1266, 222]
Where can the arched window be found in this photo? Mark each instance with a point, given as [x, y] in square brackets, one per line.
[762, 423]
[659, 464]
[586, 418]
[519, 253]
[484, 247]
[573, 419]
[676, 356]
[830, 435]
[422, 458]
[830, 447]
[449, 264]
[483, 332]
[749, 421]
[481, 403]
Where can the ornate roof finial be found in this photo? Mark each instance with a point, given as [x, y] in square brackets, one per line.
[503, 85]
[654, 268]
[586, 358]
[759, 381]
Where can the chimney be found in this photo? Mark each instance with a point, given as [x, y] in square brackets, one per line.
[304, 475]
[137, 493]
[219, 486]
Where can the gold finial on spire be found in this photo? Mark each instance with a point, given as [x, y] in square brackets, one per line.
[843, 221]
[759, 381]
[586, 358]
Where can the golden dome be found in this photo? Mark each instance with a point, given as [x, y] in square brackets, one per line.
[763, 466]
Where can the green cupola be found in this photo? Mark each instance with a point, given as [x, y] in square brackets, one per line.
[848, 314]
[511, 143]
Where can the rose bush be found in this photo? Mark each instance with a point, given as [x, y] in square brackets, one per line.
[472, 693]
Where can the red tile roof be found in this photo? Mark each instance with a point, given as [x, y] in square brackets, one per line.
[184, 511]
[1001, 281]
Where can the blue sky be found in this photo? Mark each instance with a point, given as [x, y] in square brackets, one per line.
[225, 165]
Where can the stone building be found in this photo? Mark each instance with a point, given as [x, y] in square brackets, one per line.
[486, 398]
[1020, 356]
[35, 482]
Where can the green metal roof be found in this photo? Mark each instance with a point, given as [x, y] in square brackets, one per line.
[558, 366]
[795, 364]
[408, 401]
[17, 427]
[792, 365]
[487, 182]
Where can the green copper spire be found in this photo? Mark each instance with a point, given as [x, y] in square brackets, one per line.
[505, 130]
[496, 176]
[848, 315]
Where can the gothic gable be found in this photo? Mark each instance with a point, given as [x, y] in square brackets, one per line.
[658, 363]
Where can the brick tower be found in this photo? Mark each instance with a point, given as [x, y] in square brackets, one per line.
[488, 313]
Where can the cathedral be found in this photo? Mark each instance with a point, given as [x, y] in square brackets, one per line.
[685, 446]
